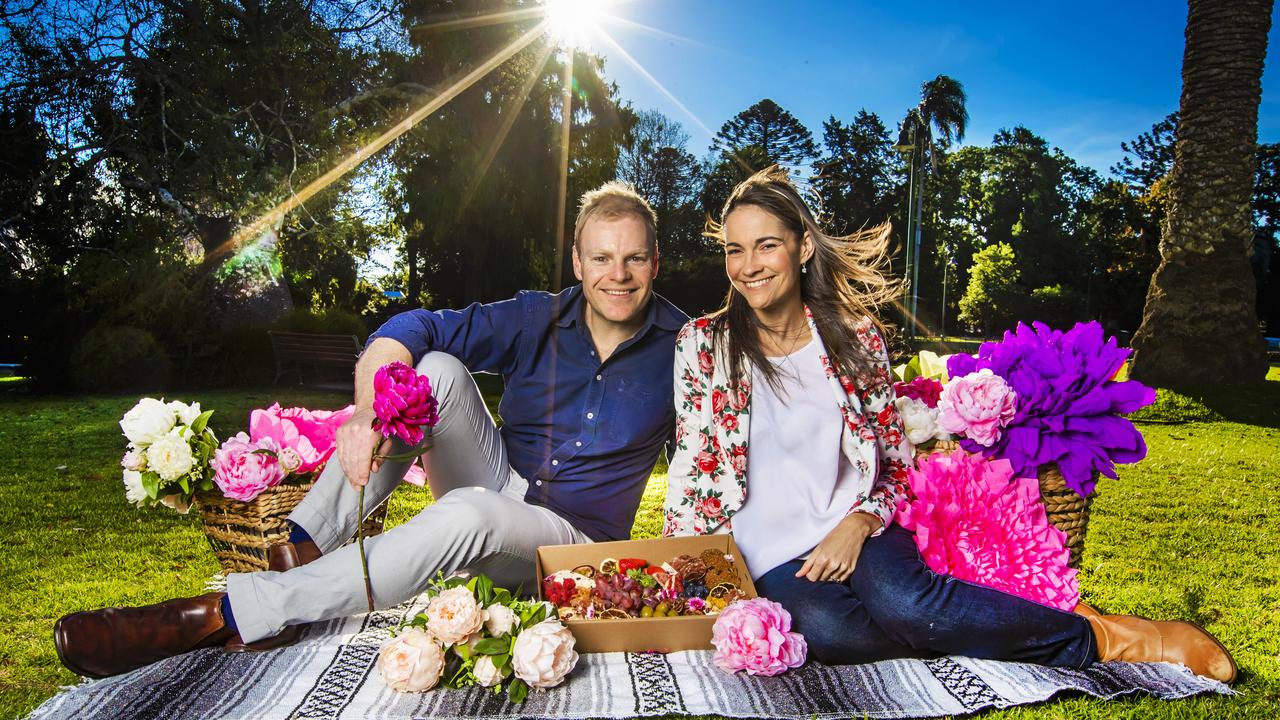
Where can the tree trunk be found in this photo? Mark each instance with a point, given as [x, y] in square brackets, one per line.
[1199, 324]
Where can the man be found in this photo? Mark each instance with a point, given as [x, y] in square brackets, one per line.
[586, 410]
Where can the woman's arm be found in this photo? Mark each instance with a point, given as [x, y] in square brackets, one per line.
[689, 392]
[893, 450]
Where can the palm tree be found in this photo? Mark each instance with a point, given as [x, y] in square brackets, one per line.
[942, 107]
[1199, 324]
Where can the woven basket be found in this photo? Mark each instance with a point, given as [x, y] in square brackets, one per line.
[1067, 511]
[241, 532]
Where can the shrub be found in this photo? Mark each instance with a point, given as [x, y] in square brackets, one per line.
[120, 359]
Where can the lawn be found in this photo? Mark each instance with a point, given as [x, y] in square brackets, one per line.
[1191, 532]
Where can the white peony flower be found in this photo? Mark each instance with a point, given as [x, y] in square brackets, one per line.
[170, 457]
[499, 619]
[411, 662]
[543, 654]
[147, 422]
[920, 420]
[487, 673]
[133, 460]
[133, 490]
[453, 615]
[187, 414]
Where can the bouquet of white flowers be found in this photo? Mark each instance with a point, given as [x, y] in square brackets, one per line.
[167, 460]
[475, 634]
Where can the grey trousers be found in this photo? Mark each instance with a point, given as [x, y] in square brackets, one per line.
[479, 523]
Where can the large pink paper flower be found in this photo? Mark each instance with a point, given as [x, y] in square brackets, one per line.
[403, 403]
[974, 521]
[978, 405]
[242, 471]
[309, 433]
[755, 635]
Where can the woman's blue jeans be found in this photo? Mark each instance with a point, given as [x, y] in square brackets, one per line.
[894, 606]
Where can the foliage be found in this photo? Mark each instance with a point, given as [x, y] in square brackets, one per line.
[120, 359]
[777, 133]
[656, 161]
[990, 301]
[857, 178]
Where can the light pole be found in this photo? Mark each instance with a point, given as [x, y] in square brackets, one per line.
[907, 148]
[566, 123]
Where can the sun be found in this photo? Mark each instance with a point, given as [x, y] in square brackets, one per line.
[571, 23]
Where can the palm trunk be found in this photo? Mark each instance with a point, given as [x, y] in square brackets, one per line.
[1199, 324]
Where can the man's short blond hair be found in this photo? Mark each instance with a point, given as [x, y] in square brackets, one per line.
[613, 200]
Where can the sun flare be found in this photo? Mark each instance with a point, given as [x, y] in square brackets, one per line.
[571, 23]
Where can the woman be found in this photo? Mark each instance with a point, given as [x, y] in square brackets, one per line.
[795, 368]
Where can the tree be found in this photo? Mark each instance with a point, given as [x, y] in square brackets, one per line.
[990, 301]
[856, 176]
[725, 171]
[656, 161]
[1150, 156]
[1199, 323]
[782, 138]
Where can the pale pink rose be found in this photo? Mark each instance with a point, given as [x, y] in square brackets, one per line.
[978, 405]
[411, 662]
[241, 472]
[453, 615]
[543, 654]
[487, 673]
[500, 619]
[289, 459]
[755, 635]
[133, 460]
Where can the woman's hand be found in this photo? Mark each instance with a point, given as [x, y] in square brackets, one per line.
[836, 556]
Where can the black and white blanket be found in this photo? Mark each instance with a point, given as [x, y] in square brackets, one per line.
[331, 674]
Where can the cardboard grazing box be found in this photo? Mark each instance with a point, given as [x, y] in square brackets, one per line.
[662, 634]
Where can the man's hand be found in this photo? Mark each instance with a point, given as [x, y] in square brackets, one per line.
[835, 557]
[356, 443]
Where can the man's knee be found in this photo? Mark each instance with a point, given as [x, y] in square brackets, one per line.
[444, 371]
[473, 511]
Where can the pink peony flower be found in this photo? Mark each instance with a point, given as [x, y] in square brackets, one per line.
[411, 662]
[924, 389]
[976, 522]
[453, 615]
[755, 635]
[241, 471]
[543, 654]
[308, 433]
[978, 405]
[403, 403]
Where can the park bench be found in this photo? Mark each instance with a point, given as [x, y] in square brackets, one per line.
[294, 351]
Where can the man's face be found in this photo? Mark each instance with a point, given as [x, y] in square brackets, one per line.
[616, 266]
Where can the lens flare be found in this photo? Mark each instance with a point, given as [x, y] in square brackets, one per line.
[572, 23]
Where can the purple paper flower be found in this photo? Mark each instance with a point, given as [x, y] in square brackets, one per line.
[1069, 409]
[403, 403]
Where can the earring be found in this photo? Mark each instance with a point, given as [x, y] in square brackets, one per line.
[804, 269]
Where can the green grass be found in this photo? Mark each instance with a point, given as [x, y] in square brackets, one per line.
[1191, 532]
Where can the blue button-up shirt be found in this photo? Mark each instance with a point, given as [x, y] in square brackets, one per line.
[585, 434]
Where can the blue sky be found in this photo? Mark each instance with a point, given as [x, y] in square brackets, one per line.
[1084, 75]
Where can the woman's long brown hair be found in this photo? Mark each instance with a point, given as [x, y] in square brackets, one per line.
[847, 280]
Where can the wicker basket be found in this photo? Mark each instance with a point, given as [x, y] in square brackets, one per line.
[241, 532]
[1067, 511]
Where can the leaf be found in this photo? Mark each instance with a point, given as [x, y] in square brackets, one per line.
[185, 484]
[502, 596]
[198, 425]
[517, 691]
[485, 590]
[464, 650]
[503, 663]
[538, 614]
[493, 646]
[151, 483]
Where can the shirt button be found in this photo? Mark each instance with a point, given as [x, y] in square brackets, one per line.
[590, 415]
[599, 377]
[538, 483]
[578, 444]
[555, 462]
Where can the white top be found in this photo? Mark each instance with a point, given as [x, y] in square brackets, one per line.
[799, 484]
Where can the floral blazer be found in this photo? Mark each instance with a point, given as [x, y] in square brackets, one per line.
[707, 479]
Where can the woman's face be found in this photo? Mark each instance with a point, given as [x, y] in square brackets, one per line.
[763, 257]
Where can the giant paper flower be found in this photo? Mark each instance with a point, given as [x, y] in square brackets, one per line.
[403, 403]
[973, 520]
[1069, 409]
[309, 433]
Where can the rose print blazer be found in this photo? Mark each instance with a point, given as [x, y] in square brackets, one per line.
[707, 478]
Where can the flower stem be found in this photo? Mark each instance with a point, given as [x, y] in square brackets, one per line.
[364, 562]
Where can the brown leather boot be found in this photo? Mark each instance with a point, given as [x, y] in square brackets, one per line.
[1130, 638]
[280, 557]
[107, 642]
[1086, 610]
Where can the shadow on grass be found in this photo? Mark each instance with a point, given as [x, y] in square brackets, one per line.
[1255, 403]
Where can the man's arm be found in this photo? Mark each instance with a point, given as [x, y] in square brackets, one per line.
[356, 440]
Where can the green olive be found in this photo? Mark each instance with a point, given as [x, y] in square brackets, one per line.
[646, 611]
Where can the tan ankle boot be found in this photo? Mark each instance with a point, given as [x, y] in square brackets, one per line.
[1130, 638]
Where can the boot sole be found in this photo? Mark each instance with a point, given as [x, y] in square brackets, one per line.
[284, 638]
[1235, 670]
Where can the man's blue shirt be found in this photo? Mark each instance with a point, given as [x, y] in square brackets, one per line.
[585, 434]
